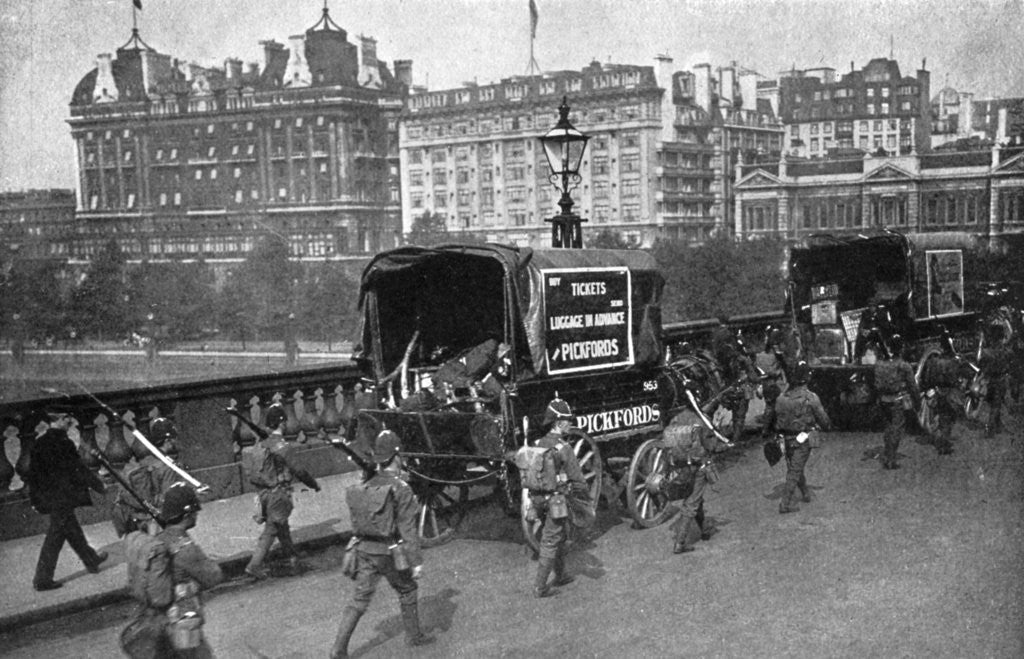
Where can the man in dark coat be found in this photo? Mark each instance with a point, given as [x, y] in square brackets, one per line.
[58, 482]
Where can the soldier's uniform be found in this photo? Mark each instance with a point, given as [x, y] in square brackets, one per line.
[193, 572]
[897, 392]
[995, 363]
[128, 514]
[690, 447]
[273, 479]
[555, 518]
[798, 411]
[383, 511]
[944, 373]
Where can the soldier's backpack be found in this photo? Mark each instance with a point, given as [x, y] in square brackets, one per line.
[144, 483]
[887, 378]
[538, 470]
[150, 569]
[372, 512]
[263, 467]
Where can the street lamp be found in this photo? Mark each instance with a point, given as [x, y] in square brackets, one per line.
[564, 147]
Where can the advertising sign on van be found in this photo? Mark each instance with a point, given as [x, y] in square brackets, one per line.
[588, 318]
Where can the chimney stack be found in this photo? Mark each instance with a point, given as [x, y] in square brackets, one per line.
[727, 85]
[270, 47]
[403, 72]
[748, 90]
[702, 86]
[296, 74]
[105, 90]
[668, 108]
[369, 71]
[233, 70]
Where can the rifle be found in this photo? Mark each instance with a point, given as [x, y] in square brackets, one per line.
[147, 506]
[200, 488]
[337, 443]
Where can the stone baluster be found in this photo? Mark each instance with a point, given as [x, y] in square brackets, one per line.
[331, 416]
[117, 450]
[311, 421]
[9, 438]
[291, 424]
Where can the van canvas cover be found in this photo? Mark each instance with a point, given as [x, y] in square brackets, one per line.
[562, 310]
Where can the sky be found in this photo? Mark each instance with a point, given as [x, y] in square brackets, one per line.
[47, 46]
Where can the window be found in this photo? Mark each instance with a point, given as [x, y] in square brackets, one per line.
[211, 152]
[794, 130]
[814, 129]
[238, 172]
[163, 198]
[600, 189]
[416, 198]
[177, 199]
[630, 187]
[298, 122]
[884, 108]
[440, 177]
[871, 92]
[199, 174]
[599, 165]
[631, 163]
[631, 212]
[885, 92]
[814, 144]
[174, 154]
[213, 174]
[437, 155]
[863, 126]
[827, 128]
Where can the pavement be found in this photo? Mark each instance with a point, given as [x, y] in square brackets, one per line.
[225, 531]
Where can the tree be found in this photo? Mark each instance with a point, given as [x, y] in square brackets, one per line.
[609, 239]
[330, 311]
[99, 301]
[721, 277]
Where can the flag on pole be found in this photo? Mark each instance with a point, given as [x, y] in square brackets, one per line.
[138, 4]
[533, 19]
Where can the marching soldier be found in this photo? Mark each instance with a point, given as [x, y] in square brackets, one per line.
[897, 392]
[692, 454]
[996, 360]
[551, 501]
[150, 478]
[175, 618]
[271, 470]
[798, 415]
[387, 545]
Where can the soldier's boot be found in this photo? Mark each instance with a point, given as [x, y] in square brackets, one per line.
[805, 492]
[686, 537]
[541, 588]
[349, 619]
[414, 636]
[562, 578]
[706, 530]
[787, 505]
[255, 567]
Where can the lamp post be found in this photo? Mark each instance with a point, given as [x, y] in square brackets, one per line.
[564, 147]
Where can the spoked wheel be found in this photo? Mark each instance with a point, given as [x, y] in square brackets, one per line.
[441, 510]
[646, 482]
[589, 457]
[975, 395]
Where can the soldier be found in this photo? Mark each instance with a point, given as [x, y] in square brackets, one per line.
[58, 482]
[179, 612]
[271, 469]
[692, 446]
[798, 415]
[995, 363]
[383, 511]
[944, 373]
[150, 478]
[741, 378]
[897, 392]
[551, 506]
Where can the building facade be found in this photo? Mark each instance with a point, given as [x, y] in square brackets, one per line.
[657, 164]
[874, 109]
[37, 223]
[979, 192]
[178, 160]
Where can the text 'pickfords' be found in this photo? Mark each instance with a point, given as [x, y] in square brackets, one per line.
[605, 422]
[587, 318]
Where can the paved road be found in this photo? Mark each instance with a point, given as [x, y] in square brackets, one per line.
[921, 562]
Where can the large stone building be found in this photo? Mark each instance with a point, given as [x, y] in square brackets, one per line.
[659, 162]
[35, 223]
[979, 192]
[176, 159]
[958, 119]
[874, 109]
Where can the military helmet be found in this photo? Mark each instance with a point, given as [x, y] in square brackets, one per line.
[801, 373]
[162, 429]
[275, 415]
[557, 409]
[179, 500]
[385, 446]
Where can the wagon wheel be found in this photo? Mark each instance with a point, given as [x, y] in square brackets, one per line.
[589, 457]
[645, 485]
[927, 418]
[975, 396]
[441, 510]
